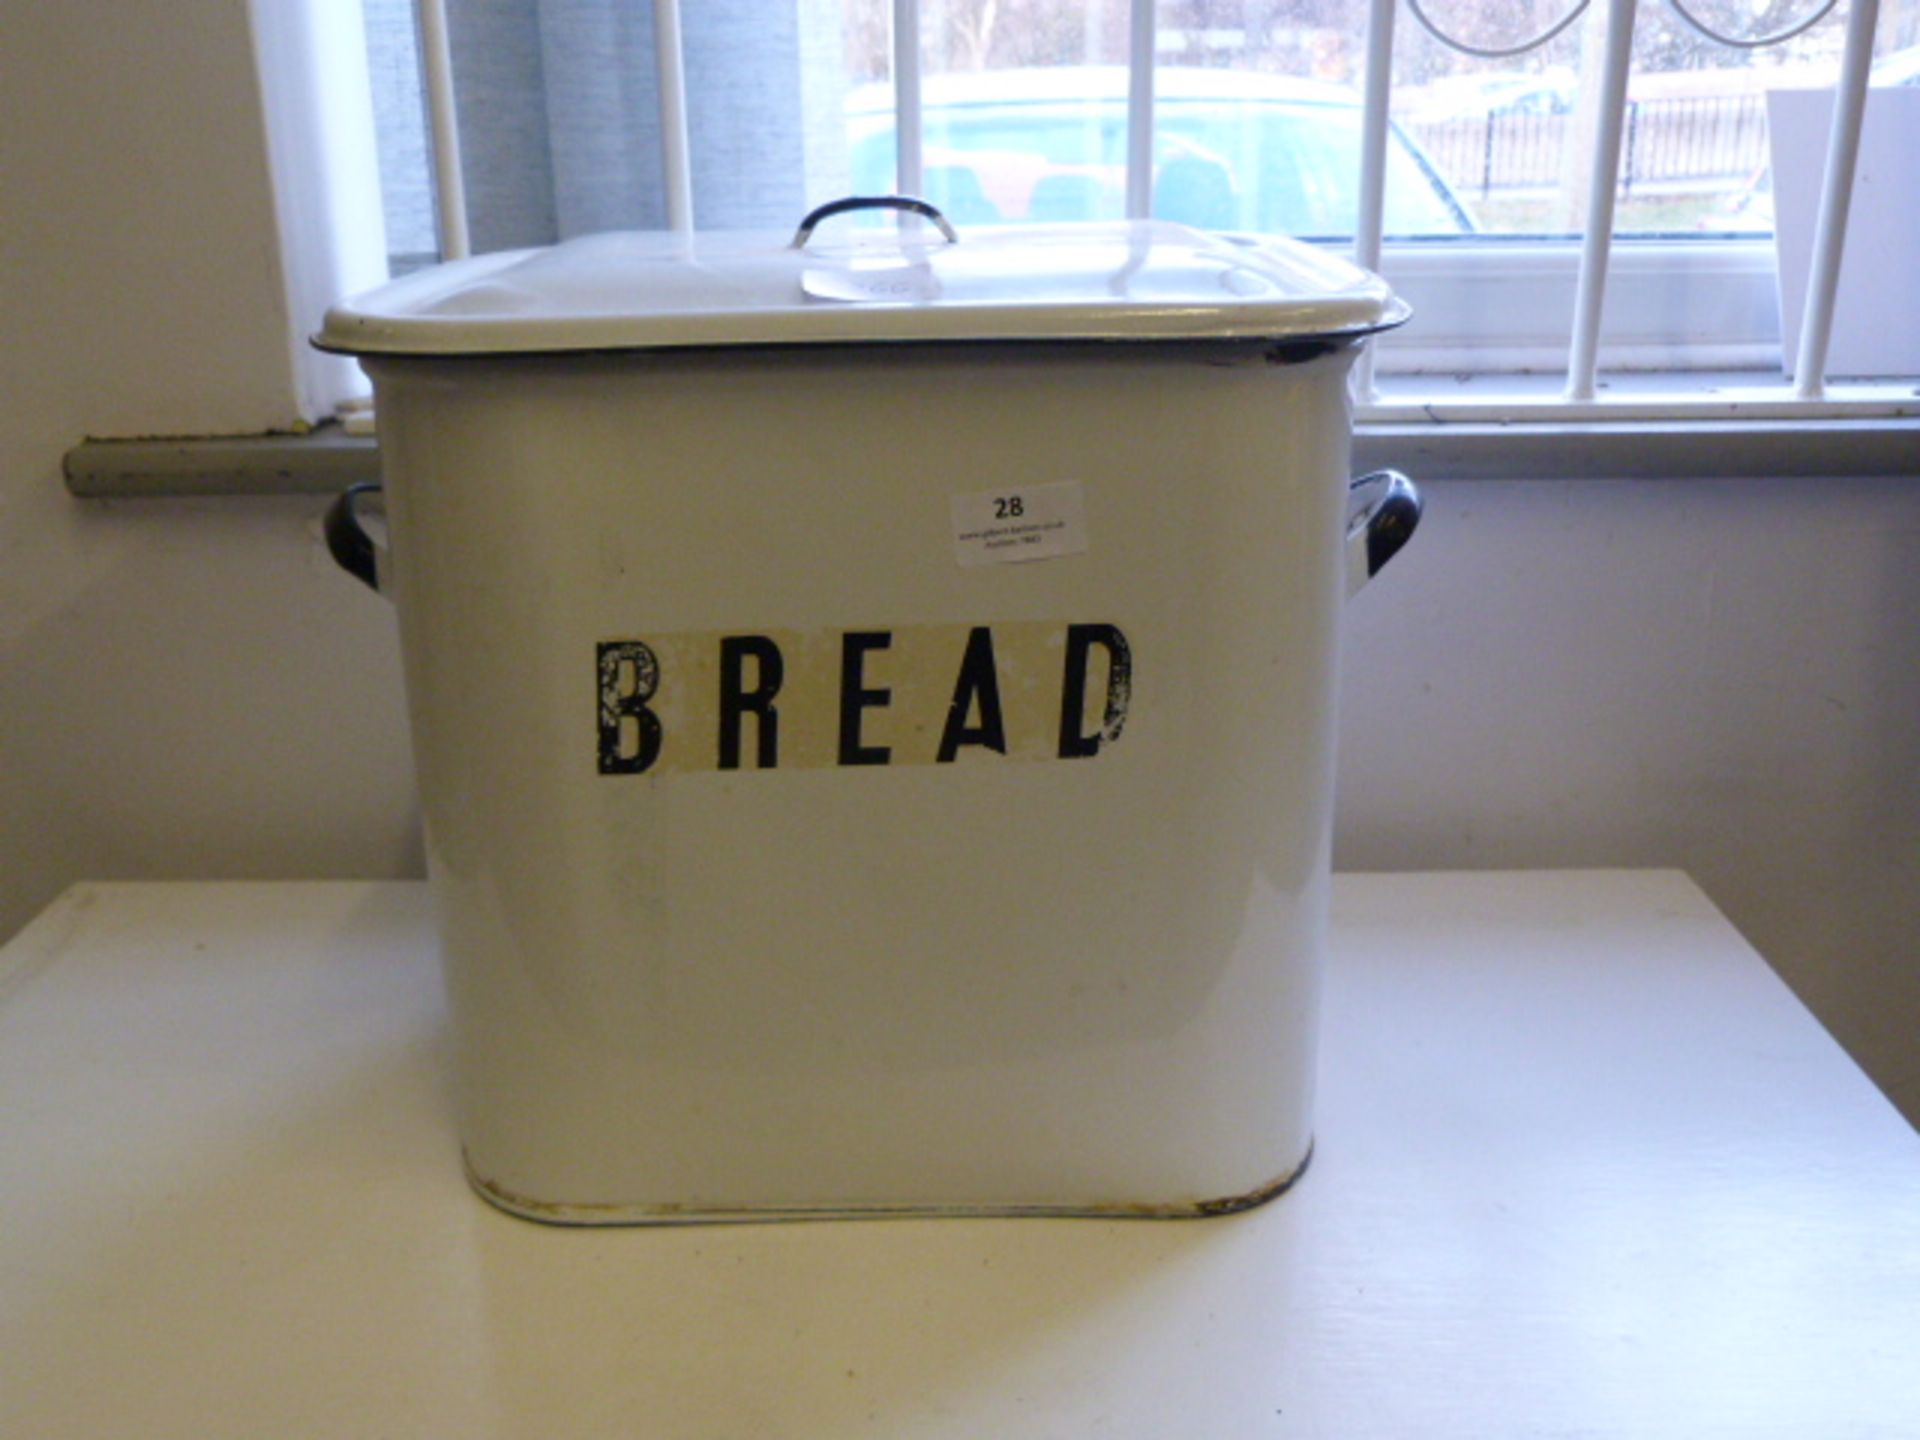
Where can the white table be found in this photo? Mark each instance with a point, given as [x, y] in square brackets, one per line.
[1585, 1168]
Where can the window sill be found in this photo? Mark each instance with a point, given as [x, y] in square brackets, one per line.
[1478, 427]
[1675, 426]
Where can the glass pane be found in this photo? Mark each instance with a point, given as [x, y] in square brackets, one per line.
[1257, 123]
[1025, 108]
[400, 125]
[1257, 117]
[1514, 136]
[1258, 112]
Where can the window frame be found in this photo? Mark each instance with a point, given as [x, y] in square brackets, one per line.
[312, 66]
[1507, 306]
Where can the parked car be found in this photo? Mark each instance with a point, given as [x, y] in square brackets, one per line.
[1232, 151]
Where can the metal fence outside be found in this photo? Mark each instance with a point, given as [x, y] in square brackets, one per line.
[1701, 143]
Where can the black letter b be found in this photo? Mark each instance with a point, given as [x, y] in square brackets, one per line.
[618, 705]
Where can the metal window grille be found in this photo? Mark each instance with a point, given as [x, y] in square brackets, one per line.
[1604, 174]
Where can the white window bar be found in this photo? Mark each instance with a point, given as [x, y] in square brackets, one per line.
[1373, 162]
[1830, 229]
[1140, 40]
[1602, 184]
[676, 167]
[909, 172]
[449, 181]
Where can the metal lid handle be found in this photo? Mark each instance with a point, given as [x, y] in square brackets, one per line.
[908, 203]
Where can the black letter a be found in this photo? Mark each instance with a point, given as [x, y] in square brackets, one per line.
[978, 677]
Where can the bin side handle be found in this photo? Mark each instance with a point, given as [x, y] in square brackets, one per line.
[352, 548]
[1383, 510]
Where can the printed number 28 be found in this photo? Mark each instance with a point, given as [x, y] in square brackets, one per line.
[1007, 507]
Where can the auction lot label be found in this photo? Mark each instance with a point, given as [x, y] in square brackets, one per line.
[1020, 523]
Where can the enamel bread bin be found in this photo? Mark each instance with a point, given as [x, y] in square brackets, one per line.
[873, 700]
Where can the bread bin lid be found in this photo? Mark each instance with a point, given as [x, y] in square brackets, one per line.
[916, 282]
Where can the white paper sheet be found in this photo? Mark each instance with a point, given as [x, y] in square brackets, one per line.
[1876, 322]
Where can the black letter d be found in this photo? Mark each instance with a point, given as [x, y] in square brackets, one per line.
[1073, 699]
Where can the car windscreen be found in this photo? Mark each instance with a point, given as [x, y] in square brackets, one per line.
[1218, 164]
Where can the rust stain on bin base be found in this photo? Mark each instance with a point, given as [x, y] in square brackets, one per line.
[669, 1213]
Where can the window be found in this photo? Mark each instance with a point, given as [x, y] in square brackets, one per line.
[1260, 109]
[1232, 152]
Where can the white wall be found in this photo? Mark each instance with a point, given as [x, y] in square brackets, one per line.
[184, 687]
[1720, 675]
